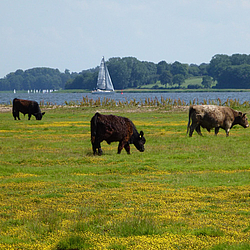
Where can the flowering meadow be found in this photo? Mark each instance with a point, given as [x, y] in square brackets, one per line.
[181, 193]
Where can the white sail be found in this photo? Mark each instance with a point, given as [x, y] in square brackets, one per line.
[101, 76]
[104, 83]
[109, 85]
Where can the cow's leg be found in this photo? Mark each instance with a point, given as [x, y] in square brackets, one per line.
[192, 128]
[14, 115]
[99, 151]
[29, 116]
[96, 144]
[195, 125]
[94, 148]
[198, 130]
[120, 146]
[93, 144]
[127, 148]
[216, 130]
[18, 116]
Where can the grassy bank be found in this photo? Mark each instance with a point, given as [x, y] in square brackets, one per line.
[181, 193]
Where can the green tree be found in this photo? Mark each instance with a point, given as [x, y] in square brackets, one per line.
[194, 70]
[119, 72]
[206, 81]
[179, 68]
[4, 84]
[162, 66]
[217, 65]
[178, 79]
[239, 59]
[166, 78]
[236, 77]
[203, 69]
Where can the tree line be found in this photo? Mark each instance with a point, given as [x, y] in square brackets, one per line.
[36, 78]
[230, 71]
[222, 72]
[129, 72]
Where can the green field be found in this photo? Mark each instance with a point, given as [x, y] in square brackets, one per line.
[181, 193]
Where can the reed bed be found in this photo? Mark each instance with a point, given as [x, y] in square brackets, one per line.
[151, 102]
[147, 102]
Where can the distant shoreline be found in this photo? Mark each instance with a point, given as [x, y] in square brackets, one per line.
[144, 91]
[180, 90]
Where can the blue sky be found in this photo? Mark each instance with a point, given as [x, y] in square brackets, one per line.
[75, 34]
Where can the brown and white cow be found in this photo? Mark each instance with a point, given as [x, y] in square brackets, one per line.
[212, 116]
[26, 107]
[113, 128]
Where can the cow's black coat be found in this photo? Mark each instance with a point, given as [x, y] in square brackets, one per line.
[113, 128]
[26, 107]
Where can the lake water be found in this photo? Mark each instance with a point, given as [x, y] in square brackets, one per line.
[60, 98]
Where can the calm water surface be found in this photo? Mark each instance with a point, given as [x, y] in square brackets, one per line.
[60, 98]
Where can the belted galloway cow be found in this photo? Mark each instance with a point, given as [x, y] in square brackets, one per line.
[26, 107]
[111, 128]
[212, 116]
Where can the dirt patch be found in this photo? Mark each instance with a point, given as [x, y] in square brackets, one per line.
[5, 109]
[180, 108]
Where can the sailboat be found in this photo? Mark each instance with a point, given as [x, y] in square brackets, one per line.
[104, 83]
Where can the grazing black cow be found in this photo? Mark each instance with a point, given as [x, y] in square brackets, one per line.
[26, 107]
[115, 128]
[212, 116]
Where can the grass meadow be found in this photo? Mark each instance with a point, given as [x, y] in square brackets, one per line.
[181, 193]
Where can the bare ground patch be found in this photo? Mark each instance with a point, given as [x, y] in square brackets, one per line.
[5, 109]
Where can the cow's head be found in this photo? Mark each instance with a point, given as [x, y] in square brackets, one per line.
[139, 142]
[242, 119]
[39, 115]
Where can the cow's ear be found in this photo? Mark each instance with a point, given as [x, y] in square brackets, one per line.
[240, 113]
[141, 134]
[43, 113]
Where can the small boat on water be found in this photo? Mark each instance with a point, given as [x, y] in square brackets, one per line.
[104, 83]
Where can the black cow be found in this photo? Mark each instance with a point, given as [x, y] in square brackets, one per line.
[115, 128]
[26, 107]
[212, 116]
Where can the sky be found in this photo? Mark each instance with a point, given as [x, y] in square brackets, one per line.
[75, 34]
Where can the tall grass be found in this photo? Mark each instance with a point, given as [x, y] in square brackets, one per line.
[148, 102]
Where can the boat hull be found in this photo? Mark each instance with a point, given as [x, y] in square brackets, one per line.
[98, 91]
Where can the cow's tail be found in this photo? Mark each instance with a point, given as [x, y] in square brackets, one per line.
[13, 106]
[14, 100]
[93, 125]
[189, 117]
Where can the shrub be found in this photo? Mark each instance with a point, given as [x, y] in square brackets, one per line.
[194, 86]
